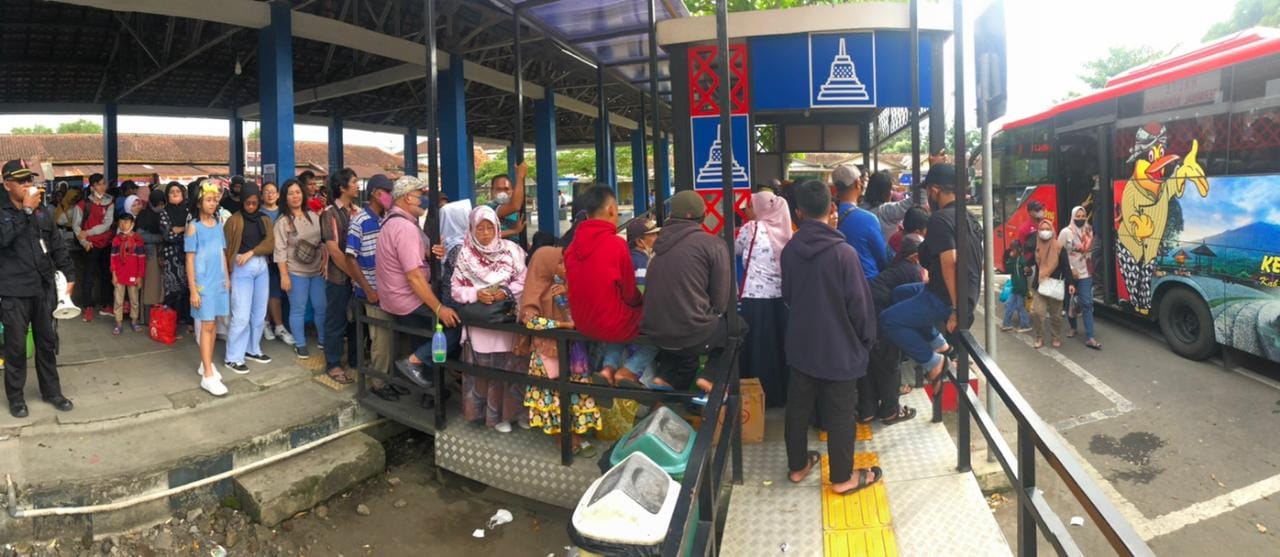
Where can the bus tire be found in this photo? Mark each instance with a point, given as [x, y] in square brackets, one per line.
[1187, 324]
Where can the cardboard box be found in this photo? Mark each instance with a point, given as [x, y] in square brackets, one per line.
[752, 411]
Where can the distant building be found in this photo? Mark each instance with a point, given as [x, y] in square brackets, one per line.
[179, 158]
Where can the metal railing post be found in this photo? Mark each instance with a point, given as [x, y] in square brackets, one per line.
[566, 419]
[1027, 481]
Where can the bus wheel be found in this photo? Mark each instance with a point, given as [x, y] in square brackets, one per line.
[1187, 324]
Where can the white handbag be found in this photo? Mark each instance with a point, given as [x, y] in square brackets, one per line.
[1052, 288]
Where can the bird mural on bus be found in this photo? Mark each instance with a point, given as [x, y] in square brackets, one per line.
[1143, 214]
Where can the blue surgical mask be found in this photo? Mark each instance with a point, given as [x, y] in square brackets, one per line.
[425, 202]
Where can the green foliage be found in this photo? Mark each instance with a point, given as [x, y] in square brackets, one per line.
[576, 162]
[902, 143]
[1118, 59]
[33, 130]
[80, 126]
[1248, 13]
[256, 134]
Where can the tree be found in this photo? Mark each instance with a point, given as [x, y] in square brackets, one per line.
[902, 143]
[576, 162]
[1247, 13]
[256, 134]
[33, 130]
[1118, 59]
[708, 7]
[80, 126]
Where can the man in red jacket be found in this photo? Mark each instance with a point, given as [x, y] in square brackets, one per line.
[601, 278]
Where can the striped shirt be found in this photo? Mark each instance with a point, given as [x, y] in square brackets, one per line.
[362, 242]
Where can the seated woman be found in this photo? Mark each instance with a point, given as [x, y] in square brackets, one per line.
[489, 270]
[544, 305]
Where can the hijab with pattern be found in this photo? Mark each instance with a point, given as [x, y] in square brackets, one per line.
[492, 264]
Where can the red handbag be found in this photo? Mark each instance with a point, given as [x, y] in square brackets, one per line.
[164, 324]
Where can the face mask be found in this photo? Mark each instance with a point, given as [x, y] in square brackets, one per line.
[1079, 223]
[502, 198]
[425, 202]
[1046, 235]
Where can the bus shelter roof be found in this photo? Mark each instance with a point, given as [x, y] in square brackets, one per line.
[352, 59]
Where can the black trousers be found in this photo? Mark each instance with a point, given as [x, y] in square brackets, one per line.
[834, 401]
[680, 367]
[94, 288]
[878, 390]
[17, 313]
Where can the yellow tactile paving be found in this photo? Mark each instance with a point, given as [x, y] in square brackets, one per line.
[860, 460]
[863, 433]
[866, 508]
[868, 542]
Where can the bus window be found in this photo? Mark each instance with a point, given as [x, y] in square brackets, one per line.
[1029, 156]
[1210, 132]
[1256, 78]
[1255, 141]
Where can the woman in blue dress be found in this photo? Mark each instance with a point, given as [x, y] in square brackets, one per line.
[209, 282]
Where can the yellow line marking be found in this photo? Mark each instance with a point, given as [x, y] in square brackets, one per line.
[866, 508]
[863, 433]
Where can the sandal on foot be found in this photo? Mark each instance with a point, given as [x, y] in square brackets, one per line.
[814, 458]
[1071, 333]
[339, 376]
[936, 381]
[876, 475]
[586, 451]
[867, 419]
[1094, 344]
[632, 384]
[1039, 344]
[904, 413]
[1057, 344]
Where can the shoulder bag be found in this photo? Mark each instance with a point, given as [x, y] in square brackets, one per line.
[304, 251]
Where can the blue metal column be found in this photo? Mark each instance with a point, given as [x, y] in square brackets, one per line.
[275, 91]
[639, 171]
[471, 159]
[511, 165]
[662, 168]
[110, 145]
[455, 156]
[544, 129]
[335, 146]
[236, 144]
[411, 152]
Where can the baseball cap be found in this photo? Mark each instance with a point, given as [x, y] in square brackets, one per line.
[639, 228]
[1034, 206]
[405, 185]
[688, 205]
[845, 175]
[379, 182]
[910, 245]
[941, 175]
[17, 169]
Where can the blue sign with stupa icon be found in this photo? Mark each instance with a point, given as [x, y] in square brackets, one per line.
[842, 69]
[708, 152]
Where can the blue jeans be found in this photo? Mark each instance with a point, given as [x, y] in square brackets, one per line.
[337, 297]
[1084, 300]
[302, 290]
[638, 362]
[911, 323]
[1016, 307]
[248, 309]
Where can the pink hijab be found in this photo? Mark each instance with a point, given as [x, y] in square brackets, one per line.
[773, 214]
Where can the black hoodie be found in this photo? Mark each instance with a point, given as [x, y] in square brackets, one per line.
[687, 286]
[833, 320]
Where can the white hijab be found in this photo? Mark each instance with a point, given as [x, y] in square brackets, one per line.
[454, 223]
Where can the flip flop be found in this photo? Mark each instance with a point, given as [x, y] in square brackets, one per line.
[633, 384]
[340, 377]
[814, 458]
[904, 413]
[1091, 343]
[876, 474]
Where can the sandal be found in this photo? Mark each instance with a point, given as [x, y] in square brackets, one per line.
[876, 475]
[904, 413]
[339, 376]
[814, 458]
[586, 450]
[1094, 344]
[936, 381]
[867, 419]
[1071, 333]
[632, 384]
[1039, 344]
[1057, 344]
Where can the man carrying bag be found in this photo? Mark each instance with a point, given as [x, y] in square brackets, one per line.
[31, 251]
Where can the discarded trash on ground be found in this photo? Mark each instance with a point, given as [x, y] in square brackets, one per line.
[478, 533]
[1077, 521]
[499, 518]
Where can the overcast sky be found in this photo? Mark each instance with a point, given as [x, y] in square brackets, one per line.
[1049, 41]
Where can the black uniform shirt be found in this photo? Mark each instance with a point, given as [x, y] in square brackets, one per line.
[30, 251]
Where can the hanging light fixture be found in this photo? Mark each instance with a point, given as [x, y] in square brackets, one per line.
[238, 68]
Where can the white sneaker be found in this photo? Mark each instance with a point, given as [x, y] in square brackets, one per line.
[284, 335]
[267, 333]
[200, 372]
[213, 385]
[503, 427]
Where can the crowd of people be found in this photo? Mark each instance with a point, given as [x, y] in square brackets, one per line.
[1051, 272]
[874, 278]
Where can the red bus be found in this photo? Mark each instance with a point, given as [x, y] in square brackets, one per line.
[1178, 165]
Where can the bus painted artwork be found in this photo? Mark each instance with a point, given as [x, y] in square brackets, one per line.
[1219, 242]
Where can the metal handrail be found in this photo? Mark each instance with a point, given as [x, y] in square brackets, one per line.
[1036, 438]
[704, 474]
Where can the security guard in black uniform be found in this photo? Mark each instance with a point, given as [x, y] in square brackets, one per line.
[30, 252]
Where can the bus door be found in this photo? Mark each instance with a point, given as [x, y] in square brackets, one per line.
[1082, 177]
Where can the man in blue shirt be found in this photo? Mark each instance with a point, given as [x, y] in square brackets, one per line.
[362, 247]
[861, 228]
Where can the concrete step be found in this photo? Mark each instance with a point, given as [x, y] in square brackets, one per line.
[274, 493]
[91, 464]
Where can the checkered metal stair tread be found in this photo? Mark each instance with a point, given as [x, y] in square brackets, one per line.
[863, 433]
[866, 542]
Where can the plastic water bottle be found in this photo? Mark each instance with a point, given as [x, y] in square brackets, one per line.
[439, 346]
